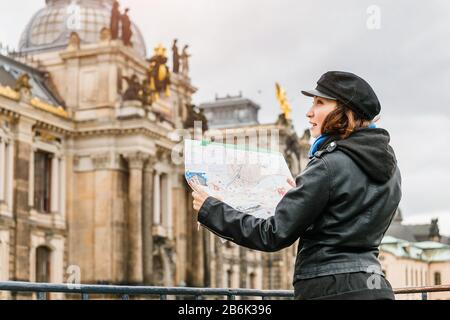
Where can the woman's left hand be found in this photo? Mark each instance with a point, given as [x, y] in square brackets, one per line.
[199, 194]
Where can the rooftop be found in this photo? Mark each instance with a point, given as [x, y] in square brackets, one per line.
[427, 251]
[40, 81]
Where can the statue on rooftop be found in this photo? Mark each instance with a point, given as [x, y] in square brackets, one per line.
[115, 20]
[159, 73]
[127, 33]
[134, 90]
[23, 84]
[176, 57]
[185, 61]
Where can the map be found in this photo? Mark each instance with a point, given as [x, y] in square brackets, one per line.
[250, 180]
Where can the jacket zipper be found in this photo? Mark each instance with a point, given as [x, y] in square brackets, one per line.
[217, 234]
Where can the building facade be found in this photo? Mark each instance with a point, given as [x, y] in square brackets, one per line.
[416, 264]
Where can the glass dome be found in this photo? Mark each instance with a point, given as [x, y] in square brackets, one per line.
[50, 27]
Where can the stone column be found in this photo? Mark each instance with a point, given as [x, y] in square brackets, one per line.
[135, 241]
[18, 152]
[31, 179]
[157, 199]
[2, 169]
[147, 221]
[62, 181]
[10, 175]
[243, 270]
[169, 213]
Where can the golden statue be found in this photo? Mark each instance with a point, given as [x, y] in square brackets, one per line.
[158, 74]
[23, 82]
[282, 99]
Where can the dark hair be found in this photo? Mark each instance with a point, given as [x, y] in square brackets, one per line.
[343, 121]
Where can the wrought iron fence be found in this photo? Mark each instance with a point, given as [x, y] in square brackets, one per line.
[125, 292]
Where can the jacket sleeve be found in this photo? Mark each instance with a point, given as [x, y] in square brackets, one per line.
[296, 211]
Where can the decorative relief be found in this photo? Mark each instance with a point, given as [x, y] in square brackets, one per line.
[9, 93]
[136, 160]
[74, 41]
[59, 111]
[101, 161]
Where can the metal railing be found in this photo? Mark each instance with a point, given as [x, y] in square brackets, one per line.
[423, 290]
[41, 289]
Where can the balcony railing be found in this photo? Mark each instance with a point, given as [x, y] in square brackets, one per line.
[124, 292]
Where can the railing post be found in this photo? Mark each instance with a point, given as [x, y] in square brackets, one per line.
[42, 296]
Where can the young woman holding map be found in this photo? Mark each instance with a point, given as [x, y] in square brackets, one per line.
[340, 205]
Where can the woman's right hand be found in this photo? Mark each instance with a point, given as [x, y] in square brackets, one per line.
[291, 182]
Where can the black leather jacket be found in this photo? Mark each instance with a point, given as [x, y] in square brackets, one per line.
[341, 207]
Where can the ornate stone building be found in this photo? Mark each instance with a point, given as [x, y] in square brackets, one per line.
[86, 176]
[88, 190]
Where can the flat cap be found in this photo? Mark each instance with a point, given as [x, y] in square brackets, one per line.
[349, 89]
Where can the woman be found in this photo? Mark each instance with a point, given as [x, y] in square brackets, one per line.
[341, 205]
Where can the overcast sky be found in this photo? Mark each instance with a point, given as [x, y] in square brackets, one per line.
[248, 45]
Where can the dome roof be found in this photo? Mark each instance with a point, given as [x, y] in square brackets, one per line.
[50, 27]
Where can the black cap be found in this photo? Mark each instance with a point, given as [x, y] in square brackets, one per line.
[350, 90]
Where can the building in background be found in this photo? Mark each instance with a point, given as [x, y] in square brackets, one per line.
[416, 232]
[415, 256]
[231, 111]
[416, 264]
[86, 177]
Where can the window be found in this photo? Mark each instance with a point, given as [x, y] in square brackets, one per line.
[252, 280]
[416, 278]
[437, 278]
[406, 276]
[229, 278]
[42, 181]
[421, 277]
[43, 264]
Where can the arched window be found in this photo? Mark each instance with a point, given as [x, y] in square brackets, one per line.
[43, 265]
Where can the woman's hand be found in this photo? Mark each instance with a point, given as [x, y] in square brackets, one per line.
[199, 194]
[291, 182]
